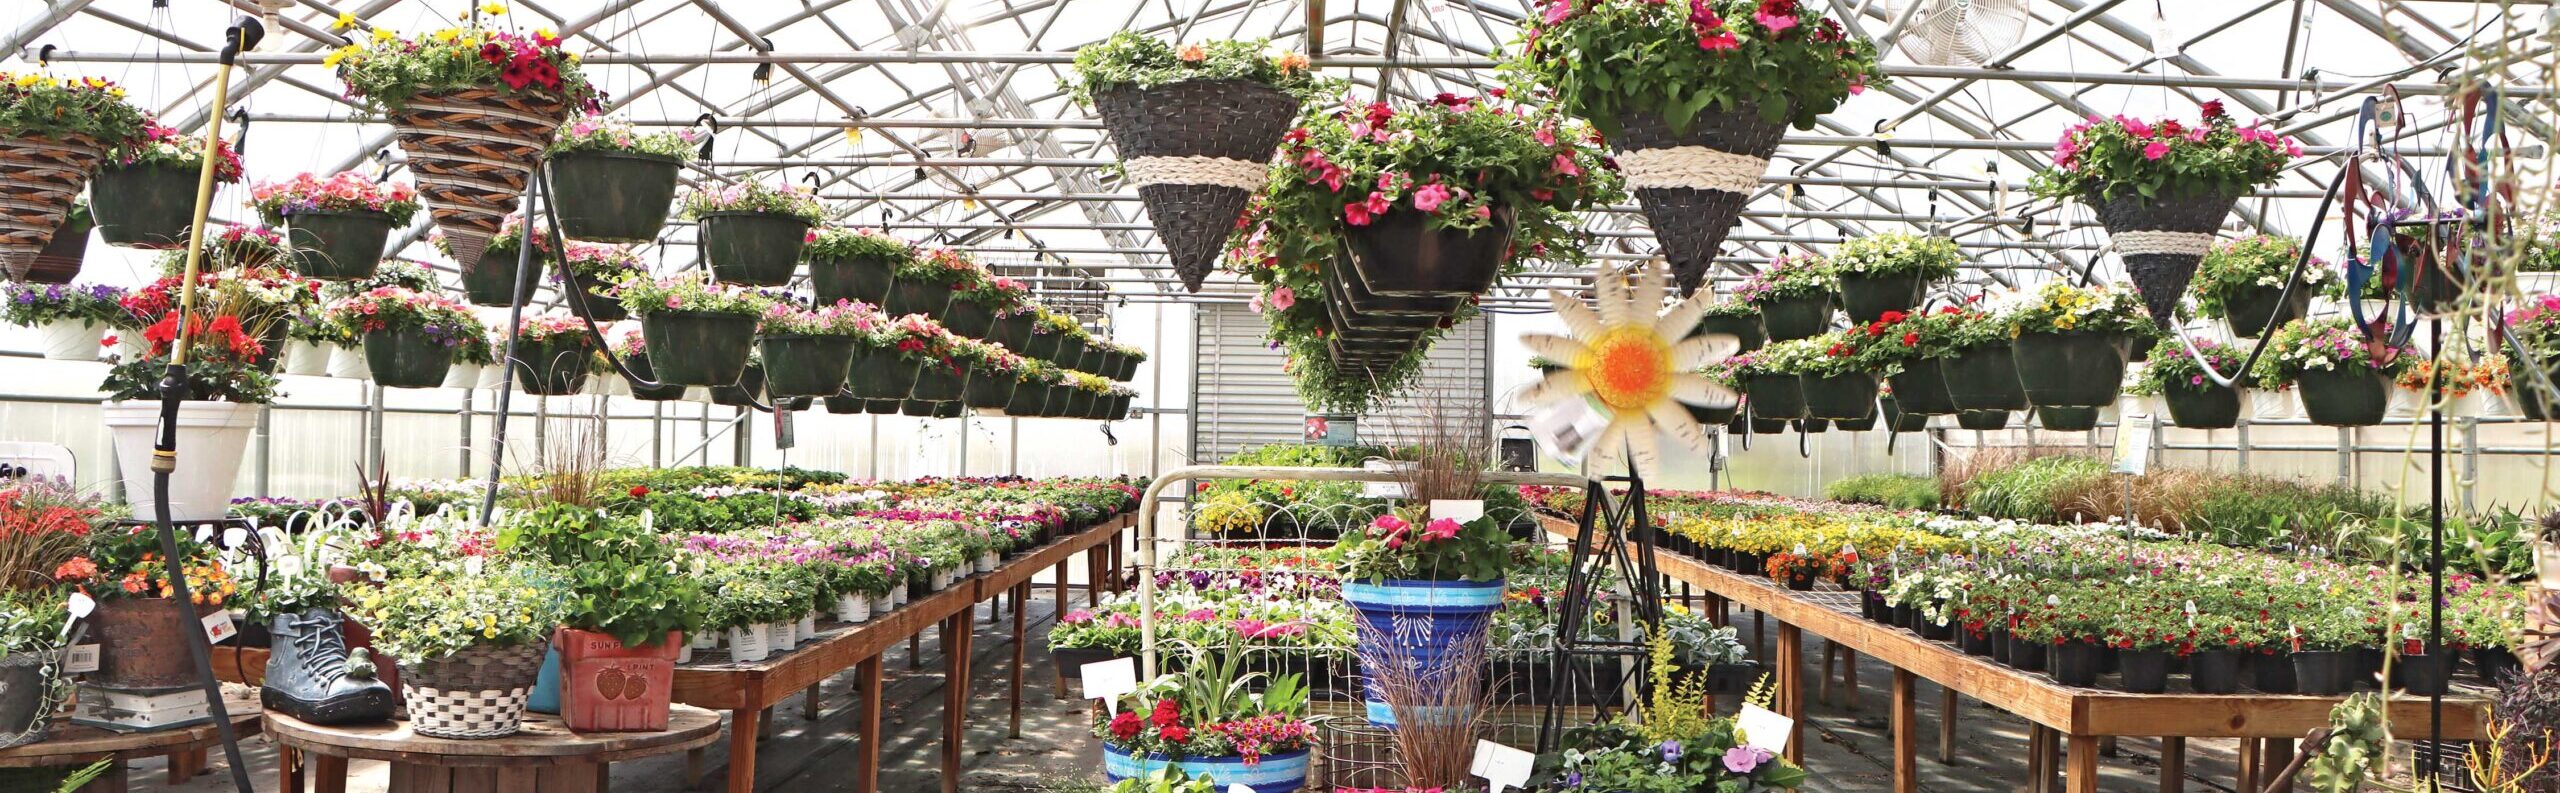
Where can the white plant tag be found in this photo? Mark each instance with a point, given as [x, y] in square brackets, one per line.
[1240, 788]
[82, 659]
[1502, 766]
[80, 605]
[218, 627]
[1764, 728]
[1107, 680]
[1462, 510]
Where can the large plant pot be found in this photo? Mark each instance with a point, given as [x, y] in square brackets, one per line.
[1921, 387]
[1197, 151]
[1847, 397]
[663, 392]
[2144, 671]
[1399, 255]
[910, 296]
[2215, 671]
[144, 205]
[1692, 208]
[486, 281]
[2253, 310]
[554, 367]
[60, 260]
[2206, 407]
[1776, 396]
[938, 383]
[471, 152]
[1284, 772]
[2070, 369]
[607, 196]
[2345, 397]
[1789, 319]
[865, 279]
[1420, 623]
[336, 246]
[806, 365]
[700, 348]
[753, 248]
[213, 438]
[2162, 239]
[406, 358]
[989, 389]
[139, 643]
[607, 687]
[2076, 663]
[597, 299]
[2323, 672]
[477, 693]
[40, 178]
[71, 340]
[880, 374]
[1983, 378]
[1867, 297]
[2424, 674]
[24, 686]
[2062, 419]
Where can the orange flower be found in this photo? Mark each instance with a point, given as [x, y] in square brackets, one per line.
[1194, 53]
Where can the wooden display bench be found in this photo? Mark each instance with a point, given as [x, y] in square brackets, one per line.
[545, 758]
[72, 746]
[2058, 713]
[749, 690]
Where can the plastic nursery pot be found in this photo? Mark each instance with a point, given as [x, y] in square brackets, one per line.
[1399, 255]
[406, 358]
[2027, 654]
[486, 281]
[753, 248]
[1080, 404]
[1983, 378]
[700, 348]
[2272, 672]
[1041, 345]
[2253, 309]
[916, 407]
[2424, 674]
[2344, 397]
[967, 318]
[1866, 297]
[1896, 419]
[1788, 319]
[2323, 671]
[336, 246]
[810, 366]
[1119, 410]
[938, 383]
[1775, 395]
[1713, 416]
[608, 687]
[1922, 389]
[878, 373]
[144, 205]
[612, 196]
[1056, 405]
[863, 278]
[663, 392]
[1975, 642]
[598, 301]
[2215, 671]
[989, 389]
[748, 389]
[2076, 663]
[2060, 419]
[1840, 397]
[947, 410]
[1026, 399]
[2495, 664]
[843, 405]
[554, 366]
[1761, 426]
[2143, 671]
[2206, 407]
[910, 296]
[2069, 369]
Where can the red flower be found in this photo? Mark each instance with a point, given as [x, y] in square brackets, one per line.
[1298, 135]
[1167, 714]
[1910, 339]
[2213, 110]
[1175, 734]
[1892, 317]
[639, 491]
[493, 53]
[1379, 114]
[1125, 726]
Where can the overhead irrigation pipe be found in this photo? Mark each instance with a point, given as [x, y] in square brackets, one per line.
[240, 37]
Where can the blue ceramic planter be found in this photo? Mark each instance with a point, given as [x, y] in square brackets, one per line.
[1276, 773]
[1427, 617]
[545, 697]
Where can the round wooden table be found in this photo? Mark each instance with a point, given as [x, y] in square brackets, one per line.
[545, 758]
[73, 746]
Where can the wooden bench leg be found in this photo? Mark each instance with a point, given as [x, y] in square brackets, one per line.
[115, 780]
[1791, 687]
[184, 766]
[2083, 765]
[2173, 765]
[2279, 754]
[697, 764]
[1906, 732]
[1021, 592]
[1849, 675]
[866, 754]
[743, 735]
[288, 770]
[955, 702]
[810, 707]
[328, 773]
[1830, 665]
[2039, 765]
[2249, 764]
[1948, 706]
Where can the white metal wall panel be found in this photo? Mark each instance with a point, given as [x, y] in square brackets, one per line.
[1241, 398]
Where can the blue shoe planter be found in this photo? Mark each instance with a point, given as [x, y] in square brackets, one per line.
[1277, 773]
[545, 697]
[1434, 616]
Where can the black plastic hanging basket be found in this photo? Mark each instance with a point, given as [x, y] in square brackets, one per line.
[1197, 150]
[878, 373]
[1983, 378]
[753, 248]
[2162, 239]
[2205, 407]
[612, 196]
[555, 366]
[1775, 395]
[1399, 255]
[1792, 318]
[2070, 369]
[698, 348]
[806, 366]
[1745, 327]
[910, 296]
[663, 392]
[862, 278]
[406, 358]
[2344, 397]
[1921, 389]
[1843, 397]
[1982, 419]
[600, 303]
[2067, 419]
[2253, 310]
[1867, 297]
[150, 206]
[338, 246]
[486, 280]
[1692, 184]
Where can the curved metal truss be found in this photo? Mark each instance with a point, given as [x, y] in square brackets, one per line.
[944, 120]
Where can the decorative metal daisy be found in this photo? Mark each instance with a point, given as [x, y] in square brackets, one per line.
[1634, 363]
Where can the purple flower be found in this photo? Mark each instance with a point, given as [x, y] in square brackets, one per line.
[1743, 759]
[1671, 750]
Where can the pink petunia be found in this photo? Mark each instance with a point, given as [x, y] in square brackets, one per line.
[1284, 297]
[1430, 197]
[2155, 150]
[1559, 11]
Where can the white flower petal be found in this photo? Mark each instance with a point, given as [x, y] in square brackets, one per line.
[1616, 305]
[1579, 319]
[1555, 349]
[1556, 387]
[1675, 421]
[1701, 350]
[1682, 319]
[1649, 292]
[1644, 451]
[1702, 392]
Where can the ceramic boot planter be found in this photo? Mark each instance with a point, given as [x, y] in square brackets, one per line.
[214, 437]
[2076, 663]
[2161, 239]
[938, 383]
[967, 318]
[2344, 397]
[608, 687]
[1789, 319]
[2215, 671]
[336, 246]
[1278, 772]
[1692, 183]
[471, 152]
[1419, 622]
[1844, 397]
[60, 260]
[2069, 369]
[1983, 378]
[24, 683]
[1921, 387]
[151, 206]
[71, 340]
[1867, 297]
[307, 675]
[1399, 255]
[486, 281]
[40, 179]
[553, 367]
[663, 392]
[1896, 419]
[1197, 151]
[2060, 419]
[701, 348]
[880, 374]
[863, 279]
[611, 196]
[806, 365]
[2206, 407]
[2323, 672]
[986, 389]
[2144, 671]
[406, 358]
[1775, 396]
[752, 248]
[2253, 310]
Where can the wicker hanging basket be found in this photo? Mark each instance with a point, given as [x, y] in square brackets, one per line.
[472, 151]
[40, 178]
[1197, 150]
[1692, 184]
[2162, 240]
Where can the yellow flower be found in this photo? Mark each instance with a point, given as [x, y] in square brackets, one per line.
[384, 35]
[339, 54]
[447, 35]
[345, 21]
[545, 33]
[491, 633]
[493, 8]
[29, 80]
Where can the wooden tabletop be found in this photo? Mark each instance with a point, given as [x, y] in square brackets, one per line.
[545, 739]
[71, 744]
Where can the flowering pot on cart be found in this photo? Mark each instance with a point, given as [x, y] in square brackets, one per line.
[1426, 618]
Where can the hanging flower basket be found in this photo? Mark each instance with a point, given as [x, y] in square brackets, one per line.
[607, 196]
[1692, 184]
[1027, 399]
[40, 179]
[486, 280]
[709, 348]
[554, 365]
[1398, 255]
[1788, 319]
[1079, 404]
[747, 390]
[1896, 419]
[861, 278]
[806, 365]
[1197, 151]
[63, 256]
[2205, 407]
[1866, 297]
[147, 205]
[2069, 369]
[910, 296]
[339, 246]
[1741, 326]
[1983, 378]
[938, 383]
[2258, 309]
[407, 358]
[1344, 287]
[1921, 389]
[882, 407]
[989, 389]
[1842, 397]
[752, 248]
[2161, 240]
[639, 365]
[2067, 419]
[878, 373]
[2345, 397]
[216, 437]
[1982, 419]
[1775, 395]
[919, 408]
[471, 151]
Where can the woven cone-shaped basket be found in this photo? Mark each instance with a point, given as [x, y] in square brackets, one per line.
[1692, 184]
[2162, 240]
[40, 178]
[1197, 150]
[472, 151]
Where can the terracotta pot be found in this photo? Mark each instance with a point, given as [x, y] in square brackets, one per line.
[608, 687]
[140, 644]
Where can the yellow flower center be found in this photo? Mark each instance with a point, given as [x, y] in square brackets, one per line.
[1629, 367]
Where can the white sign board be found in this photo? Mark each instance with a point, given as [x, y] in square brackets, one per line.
[1502, 766]
[1107, 680]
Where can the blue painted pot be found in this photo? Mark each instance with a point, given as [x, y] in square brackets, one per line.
[1427, 617]
[545, 697]
[1276, 773]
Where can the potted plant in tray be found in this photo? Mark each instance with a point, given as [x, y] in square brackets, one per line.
[1697, 115]
[1794, 295]
[2345, 378]
[855, 264]
[73, 320]
[753, 233]
[337, 227]
[144, 195]
[1889, 272]
[624, 616]
[53, 134]
[409, 337]
[2194, 400]
[1194, 126]
[809, 352]
[2242, 281]
[475, 109]
[613, 182]
[470, 643]
[706, 330]
[554, 354]
[2162, 187]
[1210, 720]
[2070, 343]
[224, 383]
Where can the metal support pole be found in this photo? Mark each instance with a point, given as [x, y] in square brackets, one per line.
[263, 482]
[2346, 456]
[464, 418]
